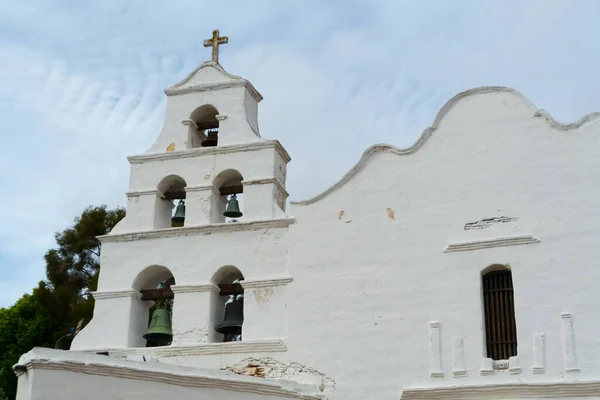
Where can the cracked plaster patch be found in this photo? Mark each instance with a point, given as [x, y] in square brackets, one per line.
[268, 367]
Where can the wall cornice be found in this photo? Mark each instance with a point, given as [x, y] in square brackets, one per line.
[260, 283]
[426, 134]
[199, 349]
[115, 294]
[201, 287]
[197, 230]
[146, 192]
[266, 180]
[490, 243]
[209, 151]
[506, 391]
[231, 81]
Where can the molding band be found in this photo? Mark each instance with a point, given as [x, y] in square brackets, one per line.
[115, 294]
[264, 181]
[202, 287]
[489, 243]
[261, 283]
[136, 193]
[506, 391]
[209, 151]
[197, 230]
[232, 81]
[198, 349]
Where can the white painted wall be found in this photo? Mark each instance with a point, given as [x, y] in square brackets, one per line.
[351, 294]
[52, 375]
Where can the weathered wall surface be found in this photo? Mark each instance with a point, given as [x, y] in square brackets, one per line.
[371, 273]
[376, 286]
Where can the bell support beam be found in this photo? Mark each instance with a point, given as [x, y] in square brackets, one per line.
[160, 294]
[225, 191]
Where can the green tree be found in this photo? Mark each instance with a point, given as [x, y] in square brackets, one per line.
[22, 327]
[60, 301]
[72, 268]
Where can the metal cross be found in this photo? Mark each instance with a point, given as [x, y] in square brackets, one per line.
[214, 42]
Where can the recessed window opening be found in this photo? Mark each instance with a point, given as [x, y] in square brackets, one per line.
[229, 206]
[499, 313]
[228, 305]
[154, 283]
[171, 212]
[207, 132]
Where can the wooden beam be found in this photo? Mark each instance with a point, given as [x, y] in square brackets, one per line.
[230, 288]
[227, 190]
[163, 294]
[207, 125]
[157, 294]
[175, 195]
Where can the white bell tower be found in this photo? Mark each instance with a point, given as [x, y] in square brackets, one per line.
[209, 149]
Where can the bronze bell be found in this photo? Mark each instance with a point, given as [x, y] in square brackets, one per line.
[233, 208]
[179, 216]
[212, 138]
[160, 327]
[233, 320]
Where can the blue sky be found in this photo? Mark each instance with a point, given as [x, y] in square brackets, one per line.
[81, 87]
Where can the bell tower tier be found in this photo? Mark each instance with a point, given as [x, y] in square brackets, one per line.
[209, 149]
[209, 100]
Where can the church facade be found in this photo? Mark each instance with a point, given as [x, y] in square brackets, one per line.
[463, 267]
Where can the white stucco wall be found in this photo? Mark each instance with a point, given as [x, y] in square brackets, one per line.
[355, 291]
[52, 375]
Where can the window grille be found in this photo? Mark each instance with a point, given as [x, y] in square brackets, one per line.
[499, 310]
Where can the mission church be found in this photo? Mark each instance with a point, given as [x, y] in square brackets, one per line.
[463, 267]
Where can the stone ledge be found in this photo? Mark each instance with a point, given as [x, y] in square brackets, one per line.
[210, 151]
[198, 349]
[490, 243]
[198, 230]
[506, 391]
[260, 283]
[114, 294]
[200, 287]
[91, 364]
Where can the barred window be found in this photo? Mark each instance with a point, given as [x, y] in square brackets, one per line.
[499, 310]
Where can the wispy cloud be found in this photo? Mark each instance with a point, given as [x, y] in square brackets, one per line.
[81, 88]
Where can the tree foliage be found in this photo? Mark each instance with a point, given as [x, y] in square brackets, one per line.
[59, 301]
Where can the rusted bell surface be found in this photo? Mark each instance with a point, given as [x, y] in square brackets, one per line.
[233, 320]
[233, 208]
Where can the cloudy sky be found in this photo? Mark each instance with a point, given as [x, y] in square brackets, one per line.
[81, 87]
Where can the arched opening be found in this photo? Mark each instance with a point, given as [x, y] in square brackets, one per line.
[228, 305]
[154, 283]
[228, 206]
[170, 211]
[499, 312]
[205, 132]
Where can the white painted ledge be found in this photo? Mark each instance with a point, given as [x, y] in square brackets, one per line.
[536, 390]
[261, 283]
[198, 349]
[92, 364]
[198, 230]
[490, 243]
[211, 151]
